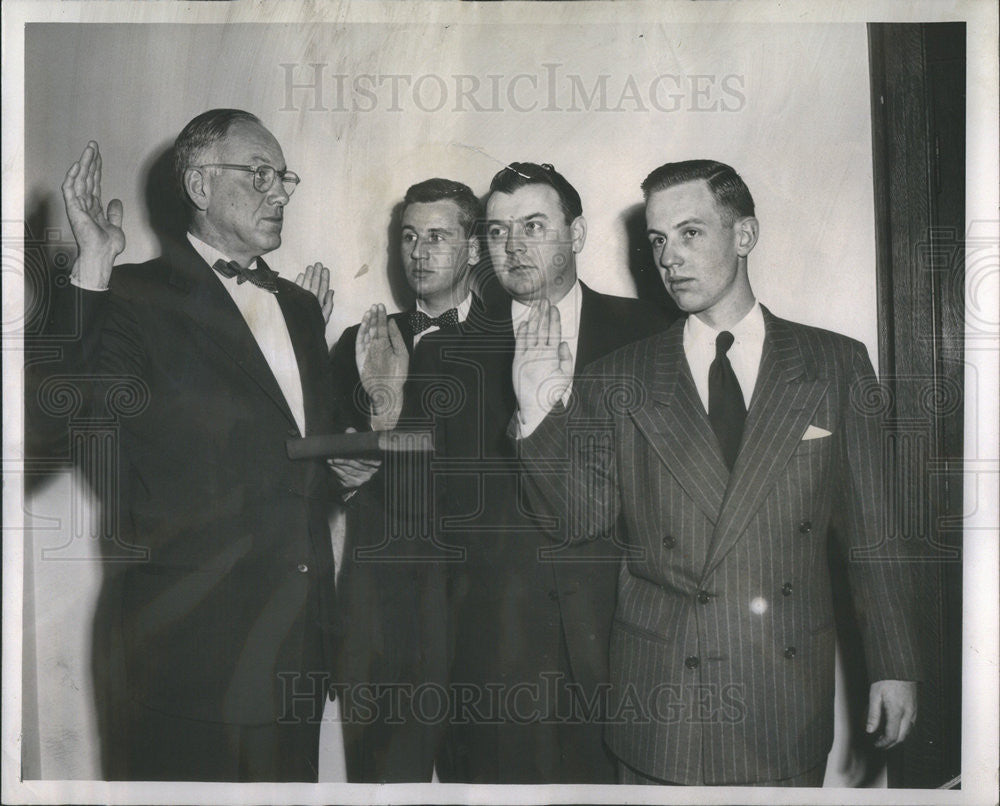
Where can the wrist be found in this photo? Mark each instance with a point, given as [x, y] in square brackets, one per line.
[92, 272]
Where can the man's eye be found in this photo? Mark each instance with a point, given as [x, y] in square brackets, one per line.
[691, 233]
[435, 237]
[496, 232]
[534, 227]
[656, 240]
[408, 237]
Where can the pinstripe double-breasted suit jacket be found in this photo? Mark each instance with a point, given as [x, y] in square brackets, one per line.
[722, 648]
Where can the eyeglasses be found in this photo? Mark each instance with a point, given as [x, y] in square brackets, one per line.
[263, 175]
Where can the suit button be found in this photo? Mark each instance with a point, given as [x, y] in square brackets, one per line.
[786, 589]
[303, 568]
[669, 542]
[704, 597]
[293, 432]
[805, 527]
[554, 595]
[692, 662]
[789, 652]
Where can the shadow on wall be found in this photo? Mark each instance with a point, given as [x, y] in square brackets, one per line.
[60, 436]
[648, 283]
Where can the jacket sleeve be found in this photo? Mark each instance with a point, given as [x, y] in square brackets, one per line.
[882, 582]
[569, 466]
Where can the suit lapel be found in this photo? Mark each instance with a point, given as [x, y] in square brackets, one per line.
[674, 422]
[315, 399]
[212, 310]
[785, 398]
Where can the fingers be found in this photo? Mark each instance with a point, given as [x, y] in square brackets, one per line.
[892, 704]
[381, 326]
[874, 710]
[98, 166]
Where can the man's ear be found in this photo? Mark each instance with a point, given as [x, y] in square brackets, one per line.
[196, 188]
[578, 232]
[747, 231]
[473, 250]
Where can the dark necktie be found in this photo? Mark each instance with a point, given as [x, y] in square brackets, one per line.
[726, 409]
[419, 321]
[261, 277]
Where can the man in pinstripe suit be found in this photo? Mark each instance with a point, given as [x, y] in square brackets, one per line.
[722, 651]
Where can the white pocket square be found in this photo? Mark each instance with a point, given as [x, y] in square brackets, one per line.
[815, 432]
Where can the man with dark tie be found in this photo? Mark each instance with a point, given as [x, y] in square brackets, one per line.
[530, 625]
[730, 444]
[226, 621]
[391, 586]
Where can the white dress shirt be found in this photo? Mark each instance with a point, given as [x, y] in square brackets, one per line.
[744, 355]
[463, 309]
[569, 308]
[263, 316]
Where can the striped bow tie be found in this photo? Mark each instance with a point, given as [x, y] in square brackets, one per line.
[419, 321]
[262, 277]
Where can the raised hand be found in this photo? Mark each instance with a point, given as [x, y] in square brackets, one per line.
[543, 363]
[99, 235]
[383, 363]
[316, 279]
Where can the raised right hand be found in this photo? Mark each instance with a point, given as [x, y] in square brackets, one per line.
[543, 363]
[383, 363]
[99, 235]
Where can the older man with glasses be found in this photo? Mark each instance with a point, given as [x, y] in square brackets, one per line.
[224, 624]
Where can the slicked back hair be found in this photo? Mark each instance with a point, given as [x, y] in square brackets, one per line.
[520, 174]
[470, 211]
[730, 192]
[202, 133]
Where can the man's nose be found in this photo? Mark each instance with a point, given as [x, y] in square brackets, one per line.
[419, 251]
[277, 194]
[513, 244]
[669, 257]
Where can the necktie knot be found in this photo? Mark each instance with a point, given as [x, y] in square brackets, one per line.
[262, 277]
[419, 321]
[723, 342]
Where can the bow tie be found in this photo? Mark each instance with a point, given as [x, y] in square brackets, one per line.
[419, 321]
[262, 277]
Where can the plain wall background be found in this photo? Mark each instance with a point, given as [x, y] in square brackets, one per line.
[797, 128]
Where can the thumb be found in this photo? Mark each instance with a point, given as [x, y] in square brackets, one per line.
[874, 711]
[115, 212]
[395, 337]
[565, 358]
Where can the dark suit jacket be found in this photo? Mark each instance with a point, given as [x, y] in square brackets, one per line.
[722, 652]
[511, 604]
[234, 591]
[393, 631]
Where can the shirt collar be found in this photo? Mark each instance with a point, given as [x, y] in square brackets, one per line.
[209, 253]
[568, 308]
[749, 329]
[463, 308]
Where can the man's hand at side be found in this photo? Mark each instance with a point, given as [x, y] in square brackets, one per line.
[316, 280]
[892, 705]
[383, 363]
[543, 365]
[99, 235]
